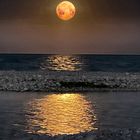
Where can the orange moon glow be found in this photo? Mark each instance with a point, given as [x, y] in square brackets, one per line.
[65, 10]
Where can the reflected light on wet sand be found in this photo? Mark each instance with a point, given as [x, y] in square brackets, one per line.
[59, 114]
[62, 63]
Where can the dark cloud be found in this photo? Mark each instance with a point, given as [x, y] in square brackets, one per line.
[117, 8]
[94, 8]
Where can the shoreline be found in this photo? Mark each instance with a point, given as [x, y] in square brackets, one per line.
[106, 134]
[41, 81]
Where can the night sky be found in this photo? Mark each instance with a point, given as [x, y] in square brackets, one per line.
[100, 26]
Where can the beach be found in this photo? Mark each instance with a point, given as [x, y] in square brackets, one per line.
[69, 98]
[50, 81]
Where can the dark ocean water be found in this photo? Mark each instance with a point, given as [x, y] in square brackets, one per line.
[104, 63]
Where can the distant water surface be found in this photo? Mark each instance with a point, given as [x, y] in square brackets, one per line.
[104, 63]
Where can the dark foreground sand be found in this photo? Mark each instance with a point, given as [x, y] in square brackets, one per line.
[127, 134]
[68, 81]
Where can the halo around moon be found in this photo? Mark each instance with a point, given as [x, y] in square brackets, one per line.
[65, 10]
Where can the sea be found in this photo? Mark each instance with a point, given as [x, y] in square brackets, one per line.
[85, 62]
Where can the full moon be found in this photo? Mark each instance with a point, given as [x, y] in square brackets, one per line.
[65, 10]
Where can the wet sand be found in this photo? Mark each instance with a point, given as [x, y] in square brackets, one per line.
[24, 116]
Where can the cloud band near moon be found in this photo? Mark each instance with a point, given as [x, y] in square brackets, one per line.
[88, 8]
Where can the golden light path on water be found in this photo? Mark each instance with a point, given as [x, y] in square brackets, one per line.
[62, 63]
[59, 114]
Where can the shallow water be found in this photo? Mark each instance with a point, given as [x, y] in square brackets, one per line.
[60, 114]
[69, 113]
